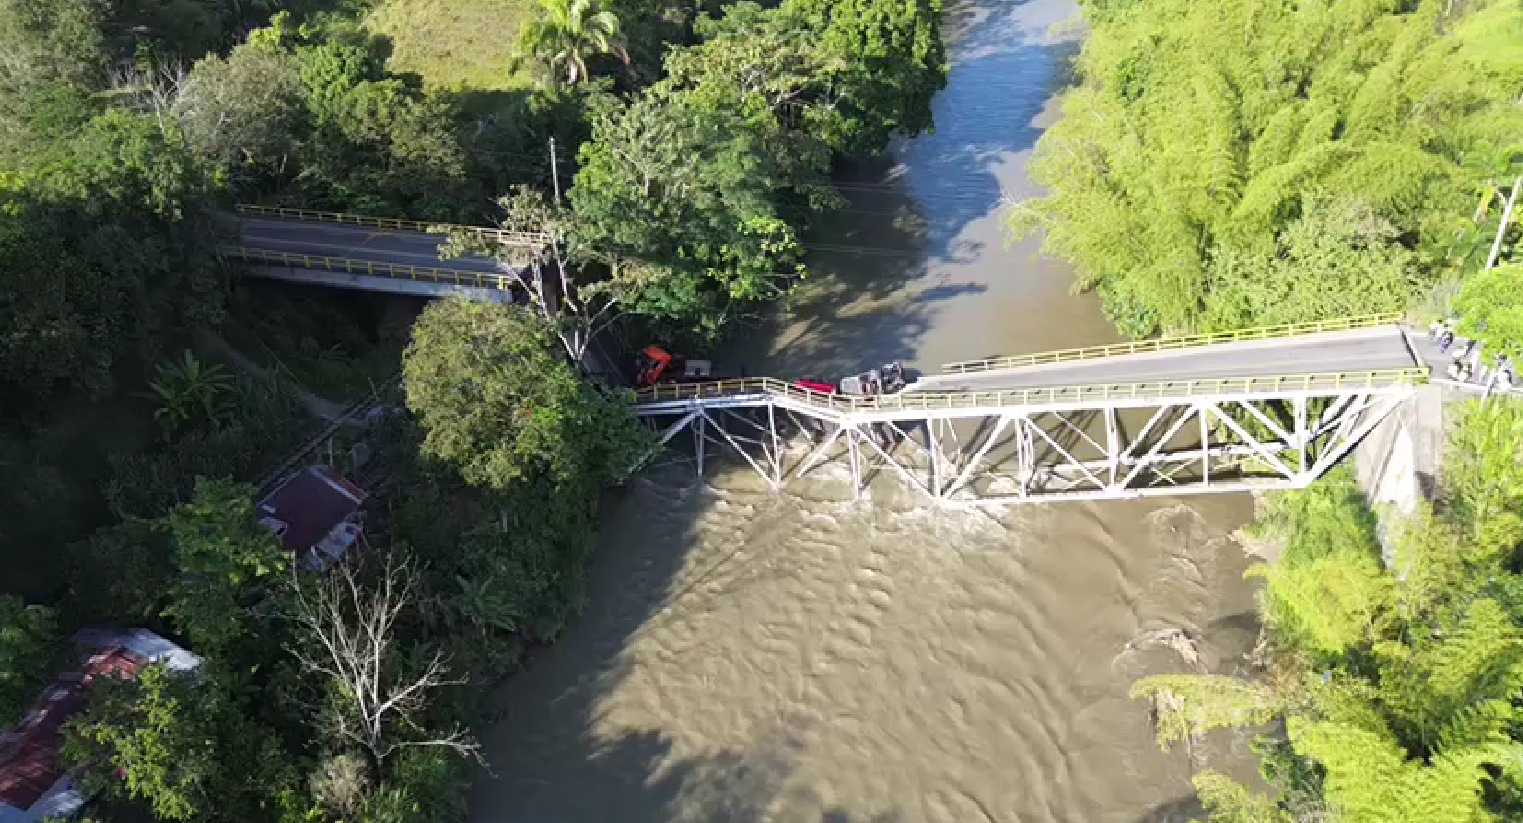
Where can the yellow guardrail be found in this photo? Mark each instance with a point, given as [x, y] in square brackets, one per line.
[459, 277]
[1167, 343]
[520, 238]
[935, 401]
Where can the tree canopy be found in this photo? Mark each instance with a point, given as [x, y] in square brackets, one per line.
[28, 634]
[1397, 682]
[697, 190]
[226, 562]
[1490, 309]
[1240, 162]
[568, 32]
[317, 118]
[47, 41]
[106, 239]
[497, 398]
[180, 743]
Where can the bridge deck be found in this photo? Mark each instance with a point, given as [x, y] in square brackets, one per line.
[1183, 417]
[1377, 348]
[398, 248]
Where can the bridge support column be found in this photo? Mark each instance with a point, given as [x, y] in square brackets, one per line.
[819, 451]
[983, 449]
[777, 447]
[1112, 447]
[935, 446]
[743, 453]
[1074, 444]
[852, 434]
[1357, 431]
[1302, 442]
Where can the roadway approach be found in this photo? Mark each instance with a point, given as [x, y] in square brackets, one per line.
[370, 254]
[1374, 348]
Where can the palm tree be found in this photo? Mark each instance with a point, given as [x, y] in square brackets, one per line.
[187, 387]
[570, 31]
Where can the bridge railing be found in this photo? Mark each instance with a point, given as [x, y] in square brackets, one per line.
[1168, 343]
[665, 394]
[371, 268]
[516, 238]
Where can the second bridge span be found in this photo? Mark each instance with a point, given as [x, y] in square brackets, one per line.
[368, 253]
[1369, 348]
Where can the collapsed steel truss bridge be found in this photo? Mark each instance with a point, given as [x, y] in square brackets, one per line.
[967, 446]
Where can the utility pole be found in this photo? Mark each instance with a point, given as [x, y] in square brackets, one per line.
[1496, 246]
[555, 176]
[553, 301]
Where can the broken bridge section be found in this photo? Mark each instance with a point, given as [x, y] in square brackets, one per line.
[1002, 446]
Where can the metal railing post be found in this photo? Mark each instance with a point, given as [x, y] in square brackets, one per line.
[1168, 343]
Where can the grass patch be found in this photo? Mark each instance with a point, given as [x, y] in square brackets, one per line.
[338, 345]
[455, 44]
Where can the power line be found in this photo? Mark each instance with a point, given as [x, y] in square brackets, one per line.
[896, 186]
[880, 251]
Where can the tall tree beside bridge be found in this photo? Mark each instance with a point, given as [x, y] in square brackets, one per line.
[697, 190]
[500, 402]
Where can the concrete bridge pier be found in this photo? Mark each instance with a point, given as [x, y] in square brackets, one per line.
[1397, 466]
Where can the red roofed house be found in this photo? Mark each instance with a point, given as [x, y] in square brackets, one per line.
[314, 512]
[34, 785]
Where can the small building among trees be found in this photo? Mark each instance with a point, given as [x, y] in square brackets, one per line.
[34, 785]
[315, 513]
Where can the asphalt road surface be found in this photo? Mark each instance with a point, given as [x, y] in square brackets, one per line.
[1381, 347]
[393, 247]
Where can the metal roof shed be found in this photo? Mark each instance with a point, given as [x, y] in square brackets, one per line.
[312, 513]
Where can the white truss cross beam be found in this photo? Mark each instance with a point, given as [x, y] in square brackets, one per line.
[1025, 452]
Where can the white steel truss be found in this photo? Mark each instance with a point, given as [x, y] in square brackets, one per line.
[1087, 449]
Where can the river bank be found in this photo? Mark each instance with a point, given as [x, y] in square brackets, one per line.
[751, 656]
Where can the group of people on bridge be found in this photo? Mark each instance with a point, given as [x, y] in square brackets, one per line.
[1465, 364]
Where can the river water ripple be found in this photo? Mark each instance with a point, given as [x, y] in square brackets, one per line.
[749, 656]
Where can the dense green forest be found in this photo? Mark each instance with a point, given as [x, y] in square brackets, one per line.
[1237, 163]
[1240, 163]
[1218, 165]
[148, 389]
[1395, 681]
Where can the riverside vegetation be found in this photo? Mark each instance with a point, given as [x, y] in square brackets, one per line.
[695, 142]
[1239, 163]
[1221, 165]
[1234, 164]
[1391, 686]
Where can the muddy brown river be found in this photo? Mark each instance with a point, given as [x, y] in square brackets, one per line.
[748, 655]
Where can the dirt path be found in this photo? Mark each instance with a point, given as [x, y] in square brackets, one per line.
[321, 408]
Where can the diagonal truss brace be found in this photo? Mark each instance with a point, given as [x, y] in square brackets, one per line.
[1050, 454]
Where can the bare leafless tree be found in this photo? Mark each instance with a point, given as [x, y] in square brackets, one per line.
[351, 631]
[535, 247]
[153, 90]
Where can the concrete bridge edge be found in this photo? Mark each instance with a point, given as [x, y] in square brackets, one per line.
[1398, 464]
